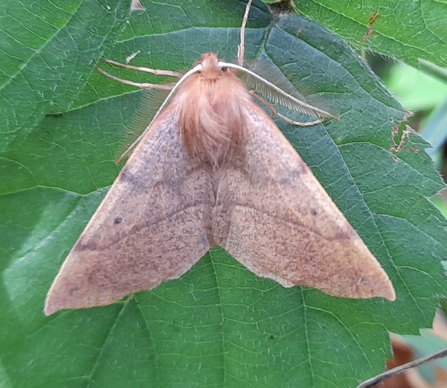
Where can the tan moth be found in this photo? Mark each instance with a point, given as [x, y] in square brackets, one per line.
[212, 168]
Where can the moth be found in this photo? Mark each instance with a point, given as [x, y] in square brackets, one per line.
[213, 169]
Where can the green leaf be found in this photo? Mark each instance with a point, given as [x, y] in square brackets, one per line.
[404, 30]
[48, 50]
[219, 325]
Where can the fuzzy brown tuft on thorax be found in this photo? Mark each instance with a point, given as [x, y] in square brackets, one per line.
[210, 104]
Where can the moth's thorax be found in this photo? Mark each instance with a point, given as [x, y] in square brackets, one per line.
[211, 113]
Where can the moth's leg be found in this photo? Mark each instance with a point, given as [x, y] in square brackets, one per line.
[146, 69]
[138, 85]
[241, 46]
[298, 123]
[285, 118]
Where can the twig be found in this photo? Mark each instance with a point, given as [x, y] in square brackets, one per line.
[241, 47]
[395, 371]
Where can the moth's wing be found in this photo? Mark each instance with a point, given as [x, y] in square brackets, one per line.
[149, 227]
[274, 217]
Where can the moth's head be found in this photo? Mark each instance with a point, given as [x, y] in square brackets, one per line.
[211, 70]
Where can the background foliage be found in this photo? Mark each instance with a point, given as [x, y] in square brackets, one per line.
[62, 122]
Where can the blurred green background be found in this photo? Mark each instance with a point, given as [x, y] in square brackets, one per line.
[424, 93]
